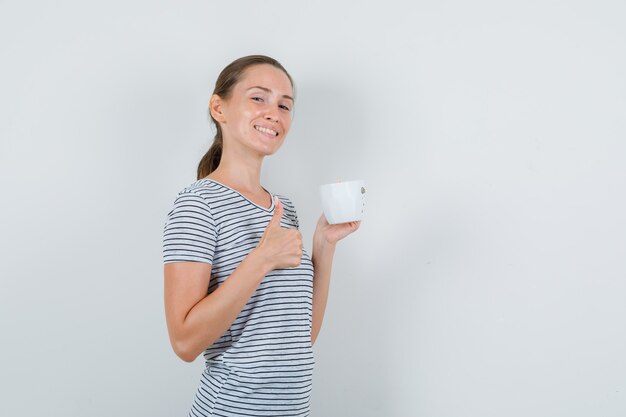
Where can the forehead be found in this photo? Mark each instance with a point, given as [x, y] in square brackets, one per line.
[267, 76]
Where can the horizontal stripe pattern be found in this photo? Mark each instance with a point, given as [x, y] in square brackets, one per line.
[263, 364]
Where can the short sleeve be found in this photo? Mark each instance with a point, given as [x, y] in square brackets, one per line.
[190, 232]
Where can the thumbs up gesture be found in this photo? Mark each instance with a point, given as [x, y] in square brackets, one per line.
[281, 247]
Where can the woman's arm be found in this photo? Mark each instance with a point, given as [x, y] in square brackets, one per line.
[322, 259]
[196, 320]
[324, 242]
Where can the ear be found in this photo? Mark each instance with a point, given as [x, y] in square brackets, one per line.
[216, 108]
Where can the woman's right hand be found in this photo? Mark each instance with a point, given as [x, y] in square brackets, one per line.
[281, 247]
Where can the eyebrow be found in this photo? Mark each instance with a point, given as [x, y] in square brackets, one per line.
[269, 91]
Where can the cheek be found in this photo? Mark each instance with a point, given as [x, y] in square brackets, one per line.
[246, 118]
[248, 112]
[287, 122]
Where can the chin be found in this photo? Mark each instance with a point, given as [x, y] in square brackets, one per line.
[268, 150]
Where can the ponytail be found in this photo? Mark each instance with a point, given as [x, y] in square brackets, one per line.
[211, 159]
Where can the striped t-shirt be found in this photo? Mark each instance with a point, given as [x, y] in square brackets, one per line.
[263, 364]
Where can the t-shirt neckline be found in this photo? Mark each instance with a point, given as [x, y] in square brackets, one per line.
[244, 197]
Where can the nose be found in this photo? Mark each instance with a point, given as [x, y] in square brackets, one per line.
[271, 114]
[271, 117]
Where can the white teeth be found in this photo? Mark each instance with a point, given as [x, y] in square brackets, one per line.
[262, 129]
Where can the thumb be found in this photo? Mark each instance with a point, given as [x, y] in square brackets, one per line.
[278, 214]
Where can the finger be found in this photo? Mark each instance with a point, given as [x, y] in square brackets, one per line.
[278, 214]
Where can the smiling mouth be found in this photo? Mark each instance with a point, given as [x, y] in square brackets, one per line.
[267, 131]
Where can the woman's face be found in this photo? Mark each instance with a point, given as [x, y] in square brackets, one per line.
[258, 113]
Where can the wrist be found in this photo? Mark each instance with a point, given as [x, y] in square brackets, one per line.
[260, 261]
[320, 244]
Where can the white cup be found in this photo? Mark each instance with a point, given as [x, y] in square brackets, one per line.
[344, 201]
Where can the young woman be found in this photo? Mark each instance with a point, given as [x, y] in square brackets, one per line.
[239, 286]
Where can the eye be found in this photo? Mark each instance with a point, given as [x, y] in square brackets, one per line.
[284, 107]
[255, 98]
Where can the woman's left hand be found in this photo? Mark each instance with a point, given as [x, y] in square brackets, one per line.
[332, 233]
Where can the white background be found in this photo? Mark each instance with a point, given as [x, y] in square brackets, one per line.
[487, 279]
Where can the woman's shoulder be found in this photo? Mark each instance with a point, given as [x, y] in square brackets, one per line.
[203, 187]
[201, 192]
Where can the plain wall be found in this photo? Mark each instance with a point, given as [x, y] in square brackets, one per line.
[488, 277]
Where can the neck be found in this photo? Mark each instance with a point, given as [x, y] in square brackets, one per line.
[239, 170]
